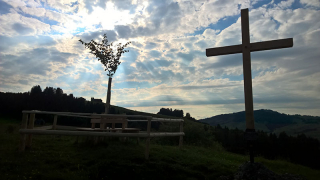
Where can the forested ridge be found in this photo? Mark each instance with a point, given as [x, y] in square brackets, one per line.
[300, 149]
[54, 99]
[49, 99]
[266, 116]
[295, 147]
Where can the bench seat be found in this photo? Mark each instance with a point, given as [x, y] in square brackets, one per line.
[125, 130]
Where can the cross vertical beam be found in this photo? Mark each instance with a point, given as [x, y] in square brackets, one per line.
[247, 77]
[247, 69]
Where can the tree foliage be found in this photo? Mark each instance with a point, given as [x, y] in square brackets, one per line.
[36, 90]
[106, 53]
[169, 112]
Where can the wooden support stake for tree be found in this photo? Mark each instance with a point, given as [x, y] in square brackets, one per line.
[181, 137]
[23, 136]
[30, 126]
[148, 139]
[108, 96]
[55, 122]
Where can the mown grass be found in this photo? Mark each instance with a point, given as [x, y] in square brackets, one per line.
[61, 158]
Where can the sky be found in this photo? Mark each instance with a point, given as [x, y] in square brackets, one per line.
[166, 65]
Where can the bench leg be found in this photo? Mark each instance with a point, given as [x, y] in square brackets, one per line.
[95, 140]
[23, 137]
[77, 140]
[147, 148]
[31, 125]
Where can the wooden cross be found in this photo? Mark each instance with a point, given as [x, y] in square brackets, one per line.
[245, 48]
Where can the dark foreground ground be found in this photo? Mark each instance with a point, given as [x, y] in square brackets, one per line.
[62, 158]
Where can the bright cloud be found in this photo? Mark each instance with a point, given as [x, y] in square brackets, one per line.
[166, 65]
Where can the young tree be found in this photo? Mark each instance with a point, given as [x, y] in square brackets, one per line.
[109, 57]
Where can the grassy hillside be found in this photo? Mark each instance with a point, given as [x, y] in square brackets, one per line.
[270, 121]
[62, 158]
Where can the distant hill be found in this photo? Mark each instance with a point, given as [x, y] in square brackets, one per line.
[122, 110]
[270, 121]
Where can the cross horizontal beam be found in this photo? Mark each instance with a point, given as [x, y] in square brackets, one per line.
[258, 46]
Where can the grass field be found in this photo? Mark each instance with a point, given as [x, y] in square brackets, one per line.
[62, 158]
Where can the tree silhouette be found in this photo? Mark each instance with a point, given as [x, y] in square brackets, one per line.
[169, 112]
[36, 90]
[109, 57]
[59, 91]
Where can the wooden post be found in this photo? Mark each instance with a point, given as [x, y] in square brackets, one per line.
[148, 139]
[181, 137]
[30, 126]
[77, 140]
[23, 136]
[124, 125]
[95, 140]
[247, 78]
[54, 127]
[108, 96]
[102, 125]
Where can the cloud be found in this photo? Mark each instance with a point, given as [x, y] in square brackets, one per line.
[155, 54]
[166, 64]
[9, 45]
[315, 3]
[37, 61]
[123, 31]
[126, 5]
[4, 7]
[95, 35]
[22, 29]
[13, 24]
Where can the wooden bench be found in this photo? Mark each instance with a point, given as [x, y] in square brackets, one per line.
[103, 121]
[126, 130]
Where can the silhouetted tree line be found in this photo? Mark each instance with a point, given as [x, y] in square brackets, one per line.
[49, 99]
[175, 113]
[53, 99]
[169, 112]
[301, 149]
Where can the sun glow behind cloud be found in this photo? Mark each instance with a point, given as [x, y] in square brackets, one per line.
[108, 18]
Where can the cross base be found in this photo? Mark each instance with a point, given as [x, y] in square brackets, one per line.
[251, 136]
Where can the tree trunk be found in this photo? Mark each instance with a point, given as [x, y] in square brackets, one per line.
[108, 96]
